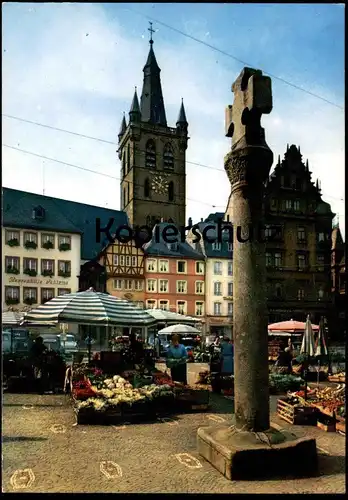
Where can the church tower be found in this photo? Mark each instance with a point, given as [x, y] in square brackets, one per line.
[152, 154]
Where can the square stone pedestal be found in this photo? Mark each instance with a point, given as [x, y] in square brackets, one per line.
[248, 455]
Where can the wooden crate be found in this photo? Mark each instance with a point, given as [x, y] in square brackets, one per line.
[296, 415]
[326, 424]
[340, 425]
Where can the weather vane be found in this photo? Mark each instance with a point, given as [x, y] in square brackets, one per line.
[151, 31]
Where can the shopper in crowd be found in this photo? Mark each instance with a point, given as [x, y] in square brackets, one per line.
[227, 357]
[284, 360]
[176, 360]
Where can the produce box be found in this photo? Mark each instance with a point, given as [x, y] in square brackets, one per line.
[339, 378]
[326, 423]
[296, 414]
[188, 399]
[340, 424]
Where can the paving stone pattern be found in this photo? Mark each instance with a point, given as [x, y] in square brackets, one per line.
[54, 455]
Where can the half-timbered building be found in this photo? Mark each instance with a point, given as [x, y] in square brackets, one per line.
[124, 265]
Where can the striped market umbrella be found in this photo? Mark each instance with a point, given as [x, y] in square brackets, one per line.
[307, 348]
[90, 308]
[11, 318]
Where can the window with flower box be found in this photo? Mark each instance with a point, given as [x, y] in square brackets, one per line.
[30, 266]
[46, 294]
[163, 286]
[47, 267]
[47, 241]
[181, 306]
[64, 243]
[181, 286]
[163, 266]
[30, 295]
[199, 287]
[12, 295]
[199, 311]
[151, 285]
[64, 291]
[12, 238]
[164, 305]
[64, 268]
[30, 240]
[12, 265]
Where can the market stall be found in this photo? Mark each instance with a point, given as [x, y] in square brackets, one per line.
[139, 394]
[326, 404]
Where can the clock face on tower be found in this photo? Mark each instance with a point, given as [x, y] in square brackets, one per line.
[160, 183]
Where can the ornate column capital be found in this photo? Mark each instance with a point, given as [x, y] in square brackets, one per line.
[248, 167]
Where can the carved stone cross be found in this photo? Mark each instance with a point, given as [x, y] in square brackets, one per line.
[252, 98]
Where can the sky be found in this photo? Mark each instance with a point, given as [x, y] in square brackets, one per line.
[74, 67]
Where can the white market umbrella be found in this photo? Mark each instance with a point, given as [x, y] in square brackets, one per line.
[180, 329]
[307, 348]
[321, 347]
[169, 316]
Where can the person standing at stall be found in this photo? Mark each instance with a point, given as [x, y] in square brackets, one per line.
[227, 355]
[176, 361]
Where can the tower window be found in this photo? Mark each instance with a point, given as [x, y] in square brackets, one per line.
[168, 158]
[128, 191]
[150, 154]
[124, 197]
[171, 191]
[128, 158]
[124, 165]
[147, 188]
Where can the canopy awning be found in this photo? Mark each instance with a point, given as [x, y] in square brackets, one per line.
[164, 316]
[290, 326]
[89, 308]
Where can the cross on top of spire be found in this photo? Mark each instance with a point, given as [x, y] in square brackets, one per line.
[151, 31]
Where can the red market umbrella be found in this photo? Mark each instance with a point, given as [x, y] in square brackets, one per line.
[290, 326]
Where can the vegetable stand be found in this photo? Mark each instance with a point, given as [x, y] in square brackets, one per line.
[139, 394]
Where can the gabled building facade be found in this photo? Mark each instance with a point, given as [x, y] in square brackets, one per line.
[124, 266]
[175, 275]
[45, 241]
[298, 229]
[219, 273]
[152, 155]
[338, 285]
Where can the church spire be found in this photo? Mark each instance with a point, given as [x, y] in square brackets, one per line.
[134, 112]
[182, 121]
[122, 128]
[151, 102]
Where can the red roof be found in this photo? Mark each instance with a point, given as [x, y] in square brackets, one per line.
[290, 326]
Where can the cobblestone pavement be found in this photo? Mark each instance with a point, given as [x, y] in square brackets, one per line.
[56, 456]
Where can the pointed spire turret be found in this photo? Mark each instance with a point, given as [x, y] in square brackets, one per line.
[278, 161]
[123, 127]
[287, 147]
[307, 166]
[134, 112]
[151, 102]
[182, 121]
